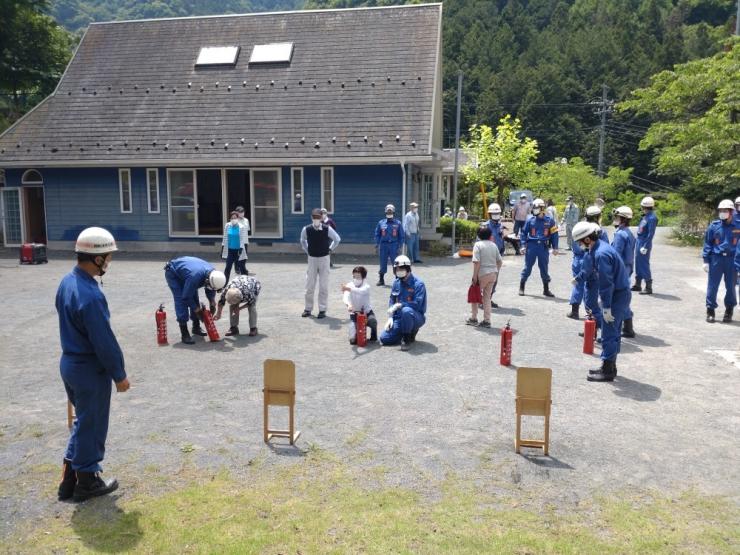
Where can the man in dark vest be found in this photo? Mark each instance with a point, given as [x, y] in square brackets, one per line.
[318, 241]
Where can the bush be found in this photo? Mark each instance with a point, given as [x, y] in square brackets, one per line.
[691, 223]
[466, 231]
[438, 249]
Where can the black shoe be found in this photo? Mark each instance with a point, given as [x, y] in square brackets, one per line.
[521, 288]
[574, 309]
[637, 286]
[381, 280]
[412, 335]
[648, 288]
[90, 484]
[606, 373]
[727, 318]
[232, 331]
[353, 341]
[627, 329]
[197, 330]
[405, 343]
[321, 314]
[185, 335]
[372, 339]
[493, 305]
[69, 481]
[546, 291]
[710, 315]
[305, 314]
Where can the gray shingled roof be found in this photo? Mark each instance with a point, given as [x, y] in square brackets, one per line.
[132, 92]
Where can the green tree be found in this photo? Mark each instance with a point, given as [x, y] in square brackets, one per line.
[497, 161]
[696, 134]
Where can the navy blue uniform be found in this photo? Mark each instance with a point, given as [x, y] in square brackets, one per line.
[412, 294]
[645, 234]
[389, 237]
[721, 253]
[185, 275]
[538, 235]
[624, 243]
[497, 234]
[91, 361]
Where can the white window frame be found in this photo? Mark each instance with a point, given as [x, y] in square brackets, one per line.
[121, 171]
[252, 221]
[323, 205]
[25, 181]
[292, 192]
[19, 190]
[149, 193]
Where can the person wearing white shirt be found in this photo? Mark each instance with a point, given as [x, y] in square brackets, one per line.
[357, 298]
[411, 230]
[318, 241]
[241, 265]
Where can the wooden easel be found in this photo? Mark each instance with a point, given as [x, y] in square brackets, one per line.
[533, 398]
[279, 390]
[70, 415]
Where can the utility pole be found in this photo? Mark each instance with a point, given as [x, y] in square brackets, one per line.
[605, 107]
[457, 151]
[737, 19]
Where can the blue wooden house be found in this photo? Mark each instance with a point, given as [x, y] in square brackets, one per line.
[159, 128]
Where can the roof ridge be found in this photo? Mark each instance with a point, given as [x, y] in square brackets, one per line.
[257, 14]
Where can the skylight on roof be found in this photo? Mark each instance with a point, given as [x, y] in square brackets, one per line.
[276, 52]
[217, 56]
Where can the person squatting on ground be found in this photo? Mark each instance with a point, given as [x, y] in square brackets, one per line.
[242, 290]
[571, 216]
[520, 213]
[407, 306]
[233, 248]
[539, 234]
[389, 237]
[241, 264]
[91, 360]
[614, 296]
[318, 241]
[645, 234]
[720, 253]
[487, 262]
[497, 236]
[356, 296]
[624, 244]
[411, 231]
[185, 275]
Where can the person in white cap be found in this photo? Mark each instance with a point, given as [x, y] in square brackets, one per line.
[462, 214]
[411, 231]
[91, 361]
[389, 237]
[719, 254]
[407, 306]
[318, 241]
[520, 213]
[643, 248]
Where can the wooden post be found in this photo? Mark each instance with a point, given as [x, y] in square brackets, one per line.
[279, 390]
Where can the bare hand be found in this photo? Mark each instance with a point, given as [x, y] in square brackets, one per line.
[123, 385]
[345, 288]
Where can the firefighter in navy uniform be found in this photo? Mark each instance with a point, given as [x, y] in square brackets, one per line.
[91, 360]
[406, 307]
[624, 244]
[538, 235]
[719, 253]
[389, 237]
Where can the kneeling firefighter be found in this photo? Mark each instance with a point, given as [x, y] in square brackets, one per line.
[407, 306]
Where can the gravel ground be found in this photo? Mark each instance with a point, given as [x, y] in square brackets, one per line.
[669, 421]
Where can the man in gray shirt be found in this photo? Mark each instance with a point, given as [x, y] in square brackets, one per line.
[411, 230]
[520, 211]
[570, 218]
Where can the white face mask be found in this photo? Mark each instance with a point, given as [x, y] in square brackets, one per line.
[357, 281]
[389, 215]
[724, 215]
[535, 211]
[316, 224]
[401, 273]
[496, 217]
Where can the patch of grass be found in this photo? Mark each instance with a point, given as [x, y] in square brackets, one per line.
[187, 448]
[357, 438]
[320, 506]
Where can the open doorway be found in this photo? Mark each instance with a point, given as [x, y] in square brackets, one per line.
[34, 213]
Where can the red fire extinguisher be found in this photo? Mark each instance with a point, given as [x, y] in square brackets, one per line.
[361, 327]
[161, 318]
[210, 325]
[589, 334]
[506, 338]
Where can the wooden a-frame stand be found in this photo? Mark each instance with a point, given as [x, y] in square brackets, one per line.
[279, 390]
[533, 398]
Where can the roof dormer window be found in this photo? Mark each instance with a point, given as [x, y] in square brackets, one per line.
[273, 53]
[217, 56]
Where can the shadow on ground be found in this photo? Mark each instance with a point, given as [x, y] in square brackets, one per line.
[547, 461]
[104, 527]
[637, 391]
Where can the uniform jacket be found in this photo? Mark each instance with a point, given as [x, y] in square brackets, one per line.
[84, 325]
[624, 244]
[721, 238]
[497, 234]
[192, 273]
[646, 230]
[410, 292]
[611, 275]
[540, 229]
[389, 231]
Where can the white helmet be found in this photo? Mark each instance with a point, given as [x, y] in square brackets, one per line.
[726, 204]
[461, 209]
[583, 229]
[593, 210]
[737, 200]
[624, 211]
[647, 202]
[401, 260]
[390, 208]
[95, 240]
[538, 203]
[216, 280]
[494, 208]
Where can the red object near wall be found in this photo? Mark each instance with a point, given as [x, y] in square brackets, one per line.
[210, 324]
[361, 328]
[506, 340]
[589, 335]
[160, 316]
[32, 253]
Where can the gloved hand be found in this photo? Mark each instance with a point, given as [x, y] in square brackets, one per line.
[607, 315]
[643, 251]
[389, 324]
[706, 267]
[392, 310]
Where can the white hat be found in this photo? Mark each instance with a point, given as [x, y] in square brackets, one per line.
[538, 203]
[725, 204]
[401, 260]
[647, 202]
[95, 240]
[494, 208]
[461, 209]
[390, 208]
[583, 229]
[593, 210]
[413, 204]
[624, 211]
[216, 280]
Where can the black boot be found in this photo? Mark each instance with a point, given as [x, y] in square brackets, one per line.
[627, 329]
[185, 334]
[197, 329]
[90, 484]
[381, 279]
[233, 330]
[727, 318]
[574, 311]
[546, 290]
[606, 373]
[638, 285]
[648, 287]
[521, 288]
[405, 342]
[710, 315]
[69, 481]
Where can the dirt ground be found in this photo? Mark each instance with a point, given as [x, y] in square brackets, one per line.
[668, 422]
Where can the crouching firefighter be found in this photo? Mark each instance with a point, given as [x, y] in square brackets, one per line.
[185, 275]
[407, 306]
[91, 360]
